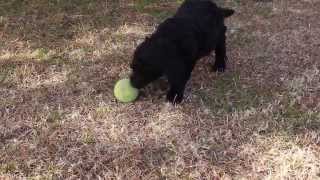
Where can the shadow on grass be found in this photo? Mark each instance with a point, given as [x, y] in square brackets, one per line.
[34, 115]
[74, 128]
[53, 24]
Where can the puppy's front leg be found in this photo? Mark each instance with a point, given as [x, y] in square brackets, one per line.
[177, 80]
[220, 50]
[175, 94]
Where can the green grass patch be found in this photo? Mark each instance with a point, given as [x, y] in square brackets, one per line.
[156, 10]
[88, 137]
[54, 117]
[229, 95]
[6, 71]
[242, 39]
[264, 9]
[12, 7]
[141, 4]
[160, 14]
[21, 7]
[296, 119]
[9, 167]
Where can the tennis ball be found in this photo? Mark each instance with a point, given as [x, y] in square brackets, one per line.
[124, 92]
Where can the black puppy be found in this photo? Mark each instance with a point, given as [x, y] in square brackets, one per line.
[173, 49]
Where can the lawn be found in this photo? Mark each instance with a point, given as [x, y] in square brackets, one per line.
[59, 61]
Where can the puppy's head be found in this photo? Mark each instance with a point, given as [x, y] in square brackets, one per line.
[145, 68]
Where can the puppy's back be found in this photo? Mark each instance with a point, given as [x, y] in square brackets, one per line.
[197, 8]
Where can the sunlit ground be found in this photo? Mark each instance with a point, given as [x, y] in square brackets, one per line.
[59, 61]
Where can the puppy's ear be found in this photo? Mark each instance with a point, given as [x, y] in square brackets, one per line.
[227, 12]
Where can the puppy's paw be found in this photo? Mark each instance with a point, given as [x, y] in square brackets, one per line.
[174, 98]
[219, 68]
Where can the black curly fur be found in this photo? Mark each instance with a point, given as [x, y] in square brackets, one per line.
[173, 49]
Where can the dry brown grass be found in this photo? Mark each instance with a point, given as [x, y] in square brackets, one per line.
[59, 119]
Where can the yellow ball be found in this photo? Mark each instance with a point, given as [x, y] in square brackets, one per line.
[124, 92]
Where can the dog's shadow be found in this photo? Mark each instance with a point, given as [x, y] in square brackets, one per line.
[155, 91]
